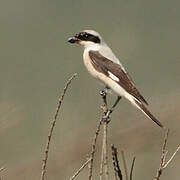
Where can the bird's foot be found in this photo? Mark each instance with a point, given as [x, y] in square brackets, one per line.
[106, 117]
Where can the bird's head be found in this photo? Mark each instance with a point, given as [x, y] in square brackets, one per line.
[86, 38]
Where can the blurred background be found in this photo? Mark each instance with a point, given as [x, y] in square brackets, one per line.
[36, 61]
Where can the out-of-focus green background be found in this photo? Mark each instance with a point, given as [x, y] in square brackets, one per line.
[36, 60]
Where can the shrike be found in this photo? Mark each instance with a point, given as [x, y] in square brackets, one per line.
[101, 63]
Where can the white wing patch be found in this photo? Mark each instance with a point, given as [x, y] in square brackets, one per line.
[112, 76]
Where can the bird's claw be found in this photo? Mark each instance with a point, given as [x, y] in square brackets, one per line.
[107, 117]
[103, 93]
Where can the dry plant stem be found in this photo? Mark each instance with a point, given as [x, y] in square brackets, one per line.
[124, 163]
[163, 156]
[103, 95]
[163, 163]
[101, 165]
[171, 158]
[117, 170]
[104, 156]
[105, 150]
[105, 119]
[80, 169]
[94, 149]
[132, 167]
[53, 125]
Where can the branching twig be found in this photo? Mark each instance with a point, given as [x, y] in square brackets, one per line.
[132, 167]
[104, 107]
[52, 127]
[163, 163]
[105, 120]
[171, 158]
[104, 156]
[80, 169]
[117, 170]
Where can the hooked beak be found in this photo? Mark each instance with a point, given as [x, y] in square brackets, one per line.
[73, 40]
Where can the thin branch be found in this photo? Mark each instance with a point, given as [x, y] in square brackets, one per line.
[104, 107]
[132, 167]
[105, 125]
[163, 156]
[80, 169]
[104, 156]
[102, 164]
[94, 149]
[171, 158]
[124, 163]
[105, 120]
[163, 163]
[117, 170]
[53, 125]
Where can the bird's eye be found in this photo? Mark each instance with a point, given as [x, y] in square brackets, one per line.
[86, 35]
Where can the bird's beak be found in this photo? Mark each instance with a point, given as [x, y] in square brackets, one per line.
[73, 40]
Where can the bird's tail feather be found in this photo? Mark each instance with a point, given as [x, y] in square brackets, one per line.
[146, 112]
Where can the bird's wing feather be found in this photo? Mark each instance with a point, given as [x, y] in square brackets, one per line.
[116, 72]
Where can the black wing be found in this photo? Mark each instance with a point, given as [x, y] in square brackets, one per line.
[104, 65]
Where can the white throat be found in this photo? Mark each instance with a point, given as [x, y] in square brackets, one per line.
[103, 49]
[89, 46]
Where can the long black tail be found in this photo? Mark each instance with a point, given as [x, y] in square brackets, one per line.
[147, 113]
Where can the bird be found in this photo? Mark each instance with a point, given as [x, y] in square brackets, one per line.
[104, 66]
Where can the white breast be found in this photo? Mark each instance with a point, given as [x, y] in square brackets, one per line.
[88, 65]
[117, 89]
